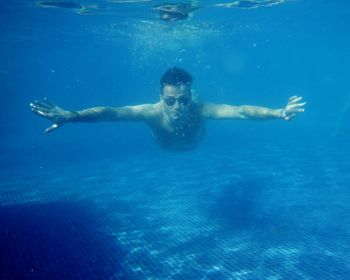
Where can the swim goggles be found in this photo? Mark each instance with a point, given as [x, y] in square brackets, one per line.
[182, 100]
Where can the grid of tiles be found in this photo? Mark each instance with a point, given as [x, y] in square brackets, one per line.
[195, 216]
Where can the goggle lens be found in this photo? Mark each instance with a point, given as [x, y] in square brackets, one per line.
[183, 100]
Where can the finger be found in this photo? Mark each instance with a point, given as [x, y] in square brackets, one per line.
[41, 109]
[51, 128]
[38, 106]
[295, 111]
[39, 112]
[44, 105]
[290, 117]
[48, 102]
[297, 105]
[294, 99]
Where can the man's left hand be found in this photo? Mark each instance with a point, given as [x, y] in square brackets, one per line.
[293, 107]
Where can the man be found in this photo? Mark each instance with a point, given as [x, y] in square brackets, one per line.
[176, 121]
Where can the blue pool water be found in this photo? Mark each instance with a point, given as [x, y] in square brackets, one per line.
[255, 200]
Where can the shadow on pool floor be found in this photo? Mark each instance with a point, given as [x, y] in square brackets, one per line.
[55, 241]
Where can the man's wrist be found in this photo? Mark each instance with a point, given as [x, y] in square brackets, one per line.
[282, 113]
[73, 116]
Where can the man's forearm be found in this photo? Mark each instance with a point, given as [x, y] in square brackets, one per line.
[260, 113]
[248, 112]
[95, 114]
[109, 114]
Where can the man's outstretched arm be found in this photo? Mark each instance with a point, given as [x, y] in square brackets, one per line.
[59, 116]
[248, 112]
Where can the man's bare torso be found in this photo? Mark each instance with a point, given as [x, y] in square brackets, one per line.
[180, 136]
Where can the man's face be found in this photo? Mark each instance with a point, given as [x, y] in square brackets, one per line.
[176, 101]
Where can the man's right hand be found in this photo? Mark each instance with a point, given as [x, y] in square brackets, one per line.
[52, 112]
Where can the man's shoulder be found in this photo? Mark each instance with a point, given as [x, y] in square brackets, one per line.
[150, 110]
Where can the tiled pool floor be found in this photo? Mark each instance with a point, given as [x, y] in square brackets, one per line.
[191, 216]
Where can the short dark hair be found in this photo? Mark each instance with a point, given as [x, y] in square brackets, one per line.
[175, 76]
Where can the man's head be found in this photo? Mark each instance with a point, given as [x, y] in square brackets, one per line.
[175, 76]
[175, 86]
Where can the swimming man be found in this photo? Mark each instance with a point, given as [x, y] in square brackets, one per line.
[177, 121]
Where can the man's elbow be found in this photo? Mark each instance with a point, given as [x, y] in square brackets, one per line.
[244, 112]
